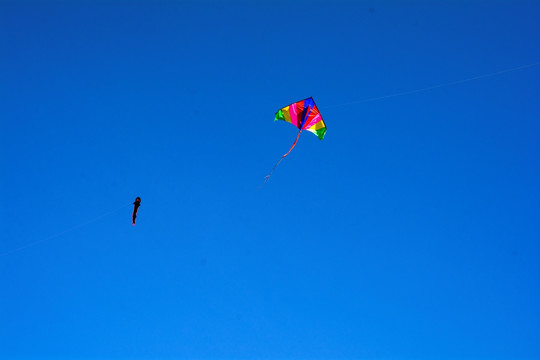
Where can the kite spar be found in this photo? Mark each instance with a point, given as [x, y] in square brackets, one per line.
[304, 115]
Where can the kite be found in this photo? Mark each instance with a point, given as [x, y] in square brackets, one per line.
[305, 115]
[136, 205]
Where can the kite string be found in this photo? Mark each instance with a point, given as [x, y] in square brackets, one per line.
[406, 93]
[435, 86]
[65, 231]
[283, 157]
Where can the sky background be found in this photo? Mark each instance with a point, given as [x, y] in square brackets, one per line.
[410, 232]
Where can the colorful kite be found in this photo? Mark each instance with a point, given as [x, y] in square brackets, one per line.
[305, 116]
[136, 205]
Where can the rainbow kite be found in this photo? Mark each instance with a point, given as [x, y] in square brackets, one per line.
[305, 116]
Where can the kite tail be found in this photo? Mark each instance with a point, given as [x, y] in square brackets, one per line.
[280, 160]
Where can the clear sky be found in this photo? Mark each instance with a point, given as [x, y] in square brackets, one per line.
[410, 232]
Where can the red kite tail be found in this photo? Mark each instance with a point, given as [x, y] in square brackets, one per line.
[293, 145]
[283, 157]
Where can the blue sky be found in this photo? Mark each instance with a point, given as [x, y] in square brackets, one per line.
[410, 232]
